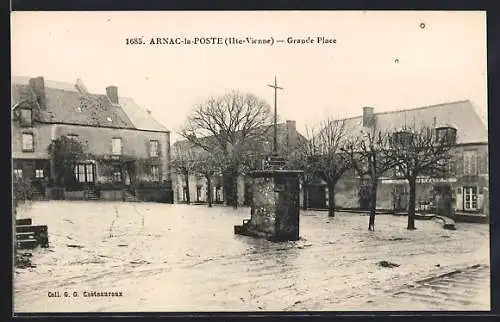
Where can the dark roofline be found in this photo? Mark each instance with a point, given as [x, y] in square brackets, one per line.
[268, 126]
[412, 109]
[472, 143]
[106, 127]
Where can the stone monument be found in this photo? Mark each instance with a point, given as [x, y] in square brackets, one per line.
[275, 204]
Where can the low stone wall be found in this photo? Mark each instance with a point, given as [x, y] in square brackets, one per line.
[54, 193]
[157, 195]
[112, 195]
[74, 195]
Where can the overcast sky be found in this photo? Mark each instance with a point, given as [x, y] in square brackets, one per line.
[388, 60]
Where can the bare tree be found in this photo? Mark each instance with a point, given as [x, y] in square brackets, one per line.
[208, 165]
[183, 161]
[367, 153]
[419, 152]
[298, 160]
[324, 157]
[228, 123]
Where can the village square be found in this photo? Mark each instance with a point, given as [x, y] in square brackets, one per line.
[249, 178]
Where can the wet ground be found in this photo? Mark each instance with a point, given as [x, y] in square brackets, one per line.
[468, 287]
[186, 258]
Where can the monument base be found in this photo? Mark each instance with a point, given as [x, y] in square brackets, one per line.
[275, 206]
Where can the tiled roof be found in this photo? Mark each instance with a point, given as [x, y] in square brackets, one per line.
[65, 104]
[459, 114]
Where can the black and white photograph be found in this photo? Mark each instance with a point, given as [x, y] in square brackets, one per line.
[249, 161]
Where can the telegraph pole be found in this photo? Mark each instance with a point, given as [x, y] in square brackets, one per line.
[275, 137]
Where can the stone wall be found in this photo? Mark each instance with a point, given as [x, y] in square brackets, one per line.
[275, 205]
[111, 195]
[264, 205]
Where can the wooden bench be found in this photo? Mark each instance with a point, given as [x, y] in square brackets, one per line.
[448, 223]
[29, 236]
[26, 244]
[24, 221]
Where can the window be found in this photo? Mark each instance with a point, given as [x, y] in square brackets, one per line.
[155, 173]
[84, 172]
[470, 162]
[154, 148]
[72, 136]
[267, 146]
[117, 146]
[26, 117]
[39, 173]
[450, 167]
[470, 198]
[198, 193]
[18, 173]
[398, 172]
[441, 167]
[218, 194]
[27, 141]
[117, 174]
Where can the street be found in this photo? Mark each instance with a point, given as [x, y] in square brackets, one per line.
[166, 257]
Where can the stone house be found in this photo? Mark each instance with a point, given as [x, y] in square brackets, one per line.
[287, 139]
[128, 150]
[467, 178]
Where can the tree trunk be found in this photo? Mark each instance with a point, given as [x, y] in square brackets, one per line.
[209, 190]
[305, 194]
[373, 205]
[226, 183]
[186, 181]
[235, 190]
[411, 204]
[331, 200]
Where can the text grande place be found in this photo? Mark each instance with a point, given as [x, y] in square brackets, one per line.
[311, 40]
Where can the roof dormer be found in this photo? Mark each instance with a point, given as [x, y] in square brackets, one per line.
[446, 133]
[403, 137]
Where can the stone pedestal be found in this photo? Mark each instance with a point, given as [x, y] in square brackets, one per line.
[275, 205]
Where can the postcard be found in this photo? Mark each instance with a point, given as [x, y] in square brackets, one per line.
[249, 161]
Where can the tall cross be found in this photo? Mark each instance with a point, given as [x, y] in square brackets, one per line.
[275, 139]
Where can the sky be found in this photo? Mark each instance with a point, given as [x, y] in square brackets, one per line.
[387, 60]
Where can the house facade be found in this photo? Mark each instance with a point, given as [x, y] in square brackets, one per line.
[467, 178]
[287, 140]
[128, 152]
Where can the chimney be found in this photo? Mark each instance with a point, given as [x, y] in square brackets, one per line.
[112, 93]
[80, 86]
[38, 86]
[368, 116]
[291, 134]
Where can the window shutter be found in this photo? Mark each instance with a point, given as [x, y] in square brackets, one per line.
[459, 165]
[158, 145]
[148, 148]
[482, 163]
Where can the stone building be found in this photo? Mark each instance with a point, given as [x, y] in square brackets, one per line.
[467, 180]
[128, 150]
[287, 139]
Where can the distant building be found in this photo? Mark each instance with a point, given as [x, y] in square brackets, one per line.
[117, 133]
[467, 179]
[287, 139]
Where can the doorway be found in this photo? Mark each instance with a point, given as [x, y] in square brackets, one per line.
[317, 197]
[400, 197]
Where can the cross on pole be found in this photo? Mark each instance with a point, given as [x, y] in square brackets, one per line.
[276, 87]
